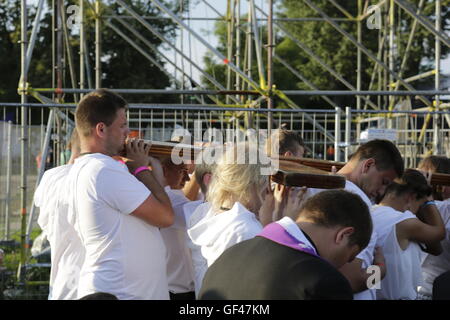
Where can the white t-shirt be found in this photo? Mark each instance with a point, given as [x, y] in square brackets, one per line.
[214, 233]
[67, 251]
[403, 272]
[434, 266]
[180, 272]
[367, 254]
[125, 256]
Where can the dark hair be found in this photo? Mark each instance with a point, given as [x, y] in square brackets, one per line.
[340, 208]
[412, 181]
[438, 164]
[99, 296]
[384, 152]
[98, 106]
[285, 140]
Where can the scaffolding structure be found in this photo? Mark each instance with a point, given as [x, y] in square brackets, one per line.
[244, 94]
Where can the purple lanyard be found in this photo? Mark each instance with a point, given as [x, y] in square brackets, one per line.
[276, 233]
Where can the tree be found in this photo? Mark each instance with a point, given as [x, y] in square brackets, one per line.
[122, 65]
[336, 50]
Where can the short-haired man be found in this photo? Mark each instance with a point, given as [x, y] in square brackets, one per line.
[368, 173]
[118, 208]
[370, 170]
[285, 142]
[67, 251]
[295, 260]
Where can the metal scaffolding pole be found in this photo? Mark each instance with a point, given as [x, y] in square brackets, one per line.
[358, 70]
[364, 49]
[156, 63]
[407, 50]
[160, 36]
[73, 77]
[82, 47]
[437, 82]
[337, 134]
[228, 63]
[45, 148]
[348, 128]
[98, 45]
[258, 47]
[34, 33]
[8, 181]
[270, 46]
[301, 77]
[24, 137]
[309, 52]
[437, 32]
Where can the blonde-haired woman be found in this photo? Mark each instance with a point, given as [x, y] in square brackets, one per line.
[236, 195]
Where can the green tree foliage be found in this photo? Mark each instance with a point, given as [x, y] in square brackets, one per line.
[122, 65]
[337, 51]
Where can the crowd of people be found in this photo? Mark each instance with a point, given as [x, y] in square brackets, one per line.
[125, 225]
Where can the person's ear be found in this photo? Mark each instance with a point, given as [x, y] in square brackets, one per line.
[343, 235]
[288, 154]
[367, 164]
[100, 129]
[207, 179]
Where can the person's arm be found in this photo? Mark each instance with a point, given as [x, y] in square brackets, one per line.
[156, 209]
[358, 276]
[428, 229]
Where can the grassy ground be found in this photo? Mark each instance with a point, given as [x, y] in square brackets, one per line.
[35, 279]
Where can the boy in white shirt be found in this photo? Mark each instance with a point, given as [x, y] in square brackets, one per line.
[406, 217]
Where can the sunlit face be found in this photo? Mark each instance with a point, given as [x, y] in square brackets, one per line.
[374, 182]
[176, 175]
[258, 197]
[116, 133]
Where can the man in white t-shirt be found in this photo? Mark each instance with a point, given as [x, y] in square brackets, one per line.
[67, 251]
[369, 171]
[117, 208]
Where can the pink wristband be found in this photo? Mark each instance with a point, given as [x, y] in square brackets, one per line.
[140, 169]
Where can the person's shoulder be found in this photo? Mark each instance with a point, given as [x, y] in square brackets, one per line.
[333, 286]
[324, 279]
[246, 223]
[50, 173]
[103, 164]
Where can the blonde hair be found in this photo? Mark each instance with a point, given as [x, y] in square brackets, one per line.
[233, 179]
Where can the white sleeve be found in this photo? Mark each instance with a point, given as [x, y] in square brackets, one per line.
[367, 254]
[121, 190]
[39, 201]
[444, 210]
